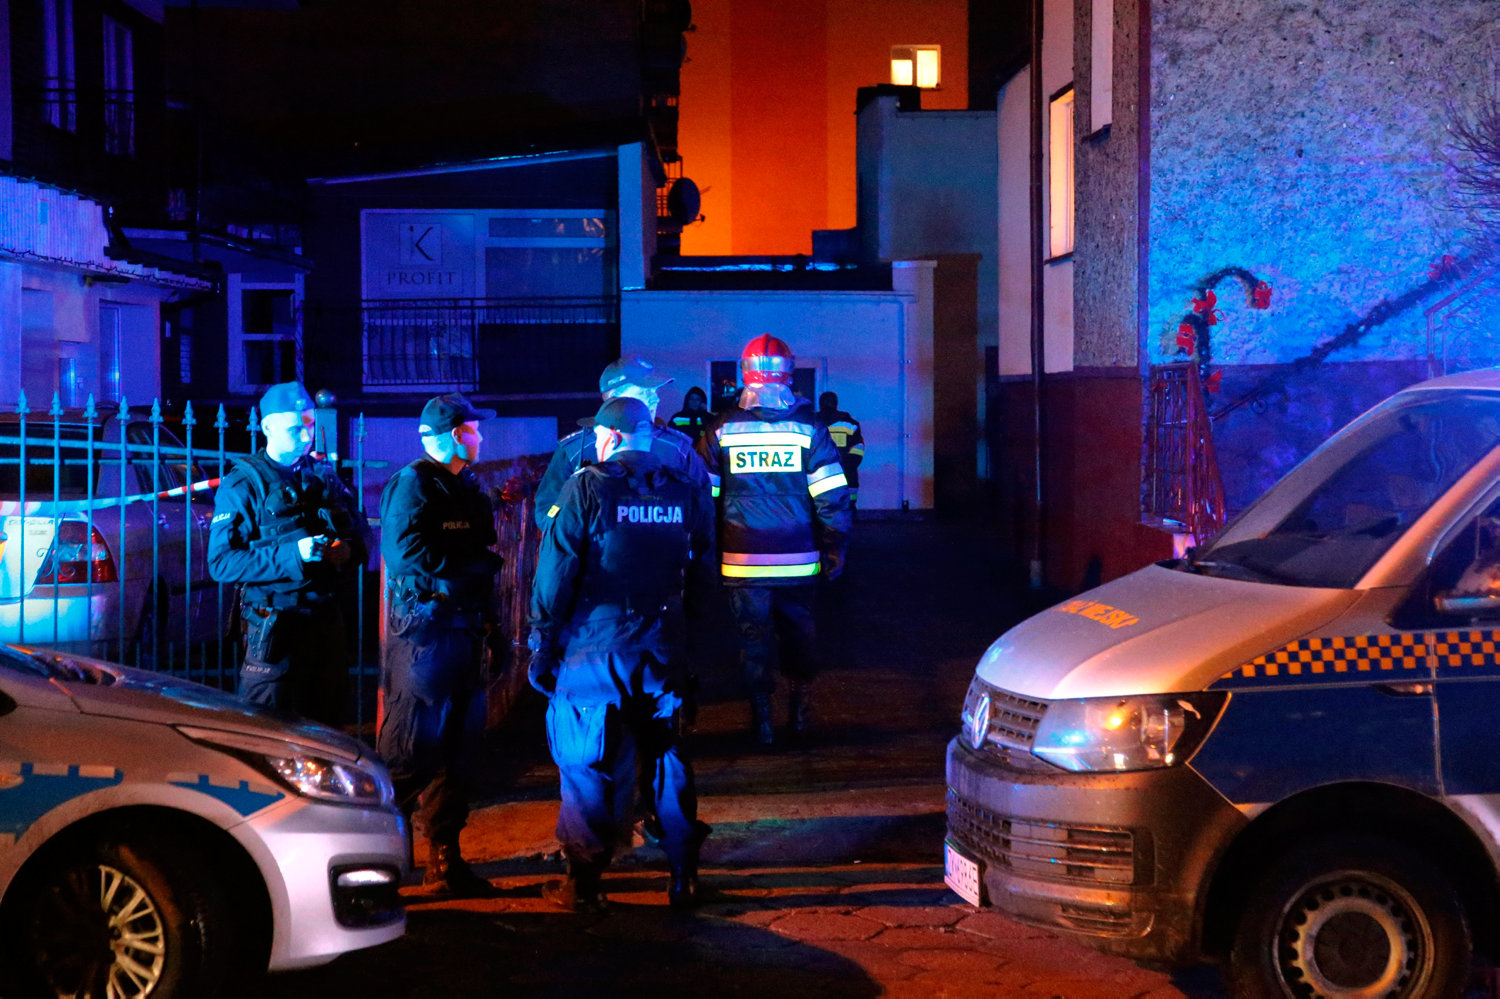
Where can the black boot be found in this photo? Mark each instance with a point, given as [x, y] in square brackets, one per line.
[449, 873]
[580, 891]
[682, 892]
[760, 720]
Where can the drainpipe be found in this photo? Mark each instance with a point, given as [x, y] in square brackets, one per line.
[1038, 319]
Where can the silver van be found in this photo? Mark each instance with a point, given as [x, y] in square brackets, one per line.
[1282, 751]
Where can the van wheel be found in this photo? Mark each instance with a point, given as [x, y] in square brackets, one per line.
[130, 916]
[1350, 916]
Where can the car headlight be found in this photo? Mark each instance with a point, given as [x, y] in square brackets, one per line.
[1127, 733]
[306, 771]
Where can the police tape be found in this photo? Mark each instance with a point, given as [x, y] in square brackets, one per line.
[46, 507]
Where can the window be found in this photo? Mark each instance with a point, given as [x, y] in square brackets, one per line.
[1060, 164]
[916, 65]
[60, 82]
[1102, 65]
[268, 320]
[119, 89]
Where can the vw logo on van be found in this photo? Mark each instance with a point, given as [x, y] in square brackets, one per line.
[979, 722]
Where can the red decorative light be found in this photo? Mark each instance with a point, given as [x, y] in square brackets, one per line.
[1260, 296]
[1205, 305]
[1186, 338]
[1211, 383]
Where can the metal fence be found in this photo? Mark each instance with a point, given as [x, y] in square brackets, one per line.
[104, 517]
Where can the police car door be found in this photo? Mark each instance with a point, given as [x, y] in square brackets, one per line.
[1458, 602]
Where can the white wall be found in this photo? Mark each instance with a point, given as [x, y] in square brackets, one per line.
[637, 215]
[876, 346]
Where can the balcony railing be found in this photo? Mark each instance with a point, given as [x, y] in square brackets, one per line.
[498, 346]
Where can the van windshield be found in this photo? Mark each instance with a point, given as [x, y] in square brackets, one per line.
[1338, 511]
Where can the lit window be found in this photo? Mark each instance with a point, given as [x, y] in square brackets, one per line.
[916, 65]
[1060, 161]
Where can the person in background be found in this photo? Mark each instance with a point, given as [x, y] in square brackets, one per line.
[292, 535]
[692, 419]
[436, 532]
[607, 624]
[844, 431]
[628, 378]
[784, 521]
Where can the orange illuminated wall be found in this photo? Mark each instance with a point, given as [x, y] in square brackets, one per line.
[767, 109]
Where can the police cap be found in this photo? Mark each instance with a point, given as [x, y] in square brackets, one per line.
[288, 397]
[444, 412]
[630, 371]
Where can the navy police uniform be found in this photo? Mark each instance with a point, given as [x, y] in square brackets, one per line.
[296, 656]
[608, 602]
[673, 448]
[436, 531]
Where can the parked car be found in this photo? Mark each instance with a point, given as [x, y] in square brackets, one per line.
[105, 556]
[160, 839]
[1279, 751]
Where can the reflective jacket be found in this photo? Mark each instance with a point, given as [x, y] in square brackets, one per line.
[576, 451]
[629, 534]
[844, 431]
[783, 498]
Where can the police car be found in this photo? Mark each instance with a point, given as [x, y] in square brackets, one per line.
[1282, 751]
[159, 839]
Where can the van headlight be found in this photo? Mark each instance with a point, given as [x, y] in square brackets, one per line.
[303, 770]
[1127, 733]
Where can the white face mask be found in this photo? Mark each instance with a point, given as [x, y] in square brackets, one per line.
[466, 441]
[647, 395]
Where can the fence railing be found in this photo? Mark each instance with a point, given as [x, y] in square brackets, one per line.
[509, 346]
[104, 518]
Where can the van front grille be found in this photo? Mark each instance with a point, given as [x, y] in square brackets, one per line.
[1052, 850]
[1013, 719]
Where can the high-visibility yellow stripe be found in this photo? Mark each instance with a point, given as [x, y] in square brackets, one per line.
[766, 439]
[715, 490]
[832, 482]
[769, 571]
[858, 449]
[553, 512]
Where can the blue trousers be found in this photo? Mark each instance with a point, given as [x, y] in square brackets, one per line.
[778, 633]
[595, 742]
[433, 727]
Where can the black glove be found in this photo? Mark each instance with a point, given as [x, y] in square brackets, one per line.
[833, 565]
[542, 672]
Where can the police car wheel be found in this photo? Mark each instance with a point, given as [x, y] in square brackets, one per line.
[133, 917]
[1351, 917]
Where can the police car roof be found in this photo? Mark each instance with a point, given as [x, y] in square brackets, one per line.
[1481, 378]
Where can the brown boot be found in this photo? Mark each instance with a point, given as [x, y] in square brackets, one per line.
[580, 891]
[448, 873]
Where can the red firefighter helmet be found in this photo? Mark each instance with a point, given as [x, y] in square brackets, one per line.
[767, 360]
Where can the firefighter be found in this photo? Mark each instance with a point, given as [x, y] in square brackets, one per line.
[844, 431]
[288, 531]
[784, 519]
[631, 378]
[692, 419]
[436, 529]
[607, 635]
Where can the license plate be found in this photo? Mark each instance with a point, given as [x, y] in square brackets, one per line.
[962, 875]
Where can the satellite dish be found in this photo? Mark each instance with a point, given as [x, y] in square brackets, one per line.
[683, 201]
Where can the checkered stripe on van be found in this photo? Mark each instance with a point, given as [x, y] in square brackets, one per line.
[1307, 657]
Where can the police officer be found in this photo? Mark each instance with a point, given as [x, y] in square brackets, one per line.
[606, 640]
[436, 529]
[846, 435]
[784, 522]
[628, 378]
[286, 529]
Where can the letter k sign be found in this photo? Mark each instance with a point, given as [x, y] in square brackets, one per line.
[421, 245]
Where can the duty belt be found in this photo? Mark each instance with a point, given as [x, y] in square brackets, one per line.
[304, 599]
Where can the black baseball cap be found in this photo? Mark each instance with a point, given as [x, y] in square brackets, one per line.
[630, 371]
[287, 397]
[444, 412]
[627, 415]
